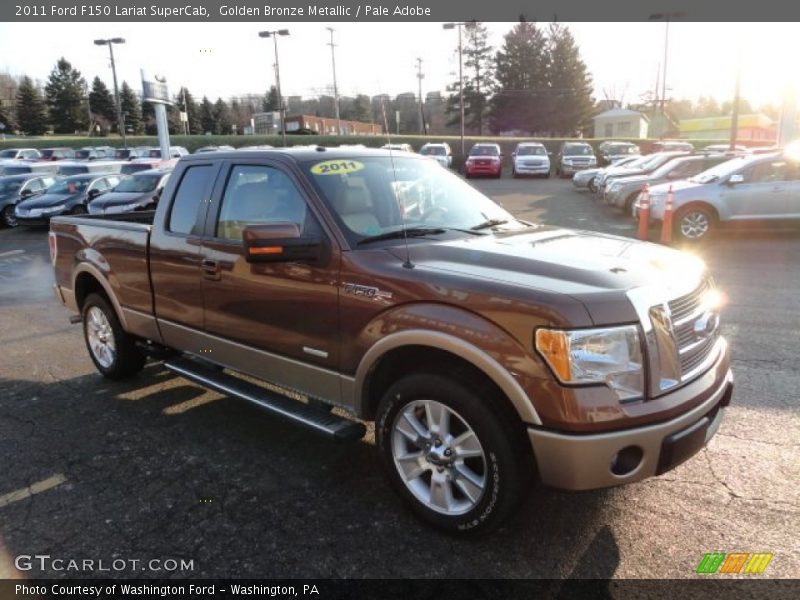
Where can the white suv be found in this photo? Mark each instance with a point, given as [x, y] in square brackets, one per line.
[530, 158]
[441, 153]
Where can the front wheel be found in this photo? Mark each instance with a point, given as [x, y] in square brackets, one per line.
[694, 223]
[450, 454]
[113, 351]
[9, 218]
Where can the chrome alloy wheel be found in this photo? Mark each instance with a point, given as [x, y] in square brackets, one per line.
[100, 337]
[439, 457]
[694, 225]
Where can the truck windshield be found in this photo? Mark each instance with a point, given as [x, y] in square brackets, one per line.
[138, 183]
[432, 151]
[580, 150]
[8, 154]
[531, 151]
[367, 195]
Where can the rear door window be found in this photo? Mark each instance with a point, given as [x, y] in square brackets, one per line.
[192, 190]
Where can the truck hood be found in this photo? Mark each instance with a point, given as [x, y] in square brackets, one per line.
[591, 267]
[46, 200]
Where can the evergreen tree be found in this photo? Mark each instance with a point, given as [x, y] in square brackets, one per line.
[272, 101]
[207, 120]
[131, 108]
[101, 102]
[222, 118]
[478, 66]
[570, 100]
[30, 108]
[5, 119]
[192, 110]
[521, 73]
[360, 110]
[66, 98]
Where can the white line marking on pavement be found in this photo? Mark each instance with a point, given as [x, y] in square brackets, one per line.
[11, 253]
[36, 488]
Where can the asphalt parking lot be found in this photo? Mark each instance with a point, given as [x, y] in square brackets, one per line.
[157, 468]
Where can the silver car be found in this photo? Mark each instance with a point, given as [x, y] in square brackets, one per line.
[761, 187]
[585, 178]
[623, 191]
[646, 164]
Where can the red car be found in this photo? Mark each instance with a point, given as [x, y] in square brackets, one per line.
[484, 159]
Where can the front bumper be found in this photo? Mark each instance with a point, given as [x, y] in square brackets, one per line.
[585, 462]
[483, 169]
[572, 169]
[532, 169]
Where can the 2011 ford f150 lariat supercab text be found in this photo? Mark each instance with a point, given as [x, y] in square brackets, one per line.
[486, 349]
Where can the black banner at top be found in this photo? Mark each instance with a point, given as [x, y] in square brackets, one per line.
[394, 10]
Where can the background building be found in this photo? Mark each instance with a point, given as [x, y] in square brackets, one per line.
[620, 123]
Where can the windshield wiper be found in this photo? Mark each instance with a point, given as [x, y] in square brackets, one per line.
[402, 233]
[489, 223]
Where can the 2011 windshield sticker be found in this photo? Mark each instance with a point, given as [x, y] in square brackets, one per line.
[336, 167]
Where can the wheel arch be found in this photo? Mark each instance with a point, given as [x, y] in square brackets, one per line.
[88, 280]
[408, 351]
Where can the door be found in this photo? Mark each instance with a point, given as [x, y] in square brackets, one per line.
[175, 267]
[761, 195]
[275, 313]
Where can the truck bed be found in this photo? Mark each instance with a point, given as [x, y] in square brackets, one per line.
[112, 247]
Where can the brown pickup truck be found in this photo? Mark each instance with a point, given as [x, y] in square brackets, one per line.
[486, 349]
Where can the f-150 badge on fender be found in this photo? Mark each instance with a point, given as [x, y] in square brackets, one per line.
[366, 290]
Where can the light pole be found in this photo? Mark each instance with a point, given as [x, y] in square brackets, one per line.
[110, 43]
[335, 89]
[460, 71]
[420, 77]
[281, 106]
[665, 17]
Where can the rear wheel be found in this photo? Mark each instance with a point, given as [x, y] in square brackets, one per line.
[694, 223]
[450, 453]
[9, 218]
[113, 351]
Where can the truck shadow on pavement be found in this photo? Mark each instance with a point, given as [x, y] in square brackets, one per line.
[155, 467]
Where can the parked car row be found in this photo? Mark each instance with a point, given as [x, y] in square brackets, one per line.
[34, 199]
[708, 188]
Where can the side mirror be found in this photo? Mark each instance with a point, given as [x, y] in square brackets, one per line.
[92, 194]
[279, 242]
[735, 178]
[26, 193]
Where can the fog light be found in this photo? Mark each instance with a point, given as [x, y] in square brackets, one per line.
[626, 460]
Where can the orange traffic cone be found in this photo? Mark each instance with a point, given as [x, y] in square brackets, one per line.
[666, 223]
[644, 214]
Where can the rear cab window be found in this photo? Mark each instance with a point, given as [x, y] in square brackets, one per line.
[191, 191]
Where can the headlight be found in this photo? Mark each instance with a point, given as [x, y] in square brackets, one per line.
[611, 356]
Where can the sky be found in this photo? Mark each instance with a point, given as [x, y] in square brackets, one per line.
[229, 59]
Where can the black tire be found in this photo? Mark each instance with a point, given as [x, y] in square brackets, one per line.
[690, 219]
[127, 359]
[592, 187]
[79, 209]
[9, 218]
[505, 462]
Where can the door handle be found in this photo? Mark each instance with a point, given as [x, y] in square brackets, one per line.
[210, 269]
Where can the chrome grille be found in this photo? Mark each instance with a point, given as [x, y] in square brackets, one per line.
[692, 346]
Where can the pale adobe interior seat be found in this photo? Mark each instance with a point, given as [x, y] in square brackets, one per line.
[354, 206]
